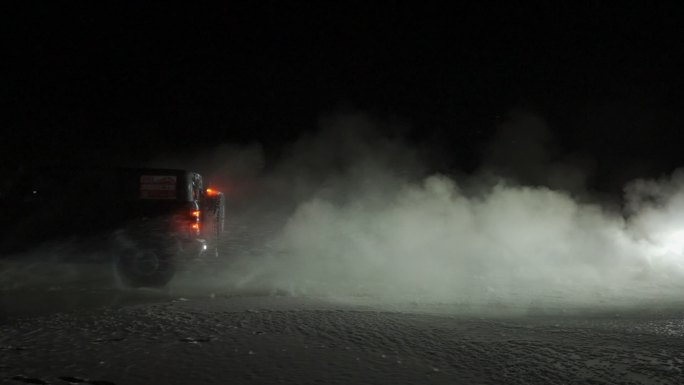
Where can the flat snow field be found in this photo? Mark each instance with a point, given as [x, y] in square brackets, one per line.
[161, 338]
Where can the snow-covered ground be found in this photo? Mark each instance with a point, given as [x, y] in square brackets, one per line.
[162, 338]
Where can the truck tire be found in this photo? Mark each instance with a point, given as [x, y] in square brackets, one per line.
[144, 266]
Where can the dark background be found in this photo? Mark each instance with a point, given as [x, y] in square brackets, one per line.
[88, 83]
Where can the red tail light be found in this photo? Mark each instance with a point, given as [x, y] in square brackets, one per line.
[187, 221]
[194, 225]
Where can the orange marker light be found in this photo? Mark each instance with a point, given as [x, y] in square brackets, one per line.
[195, 226]
[195, 213]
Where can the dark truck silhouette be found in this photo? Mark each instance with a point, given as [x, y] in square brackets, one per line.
[146, 221]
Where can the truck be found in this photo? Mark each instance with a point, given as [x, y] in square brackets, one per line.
[146, 222]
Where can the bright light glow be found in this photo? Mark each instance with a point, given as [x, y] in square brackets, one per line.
[672, 242]
[211, 192]
[195, 226]
[195, 213]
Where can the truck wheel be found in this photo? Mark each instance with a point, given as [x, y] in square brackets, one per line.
[145, 267]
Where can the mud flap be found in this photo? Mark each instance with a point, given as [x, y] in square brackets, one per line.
[213, 221]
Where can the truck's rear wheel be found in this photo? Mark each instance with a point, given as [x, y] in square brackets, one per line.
[144, 267]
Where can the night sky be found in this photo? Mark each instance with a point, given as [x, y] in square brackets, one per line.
[82, 82]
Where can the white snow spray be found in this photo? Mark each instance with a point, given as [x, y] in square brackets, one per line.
[354, 213]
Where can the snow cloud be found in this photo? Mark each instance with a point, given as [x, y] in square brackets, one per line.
[352, 210]
[361, 216]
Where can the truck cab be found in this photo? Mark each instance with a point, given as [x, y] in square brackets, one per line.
[147, 221]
